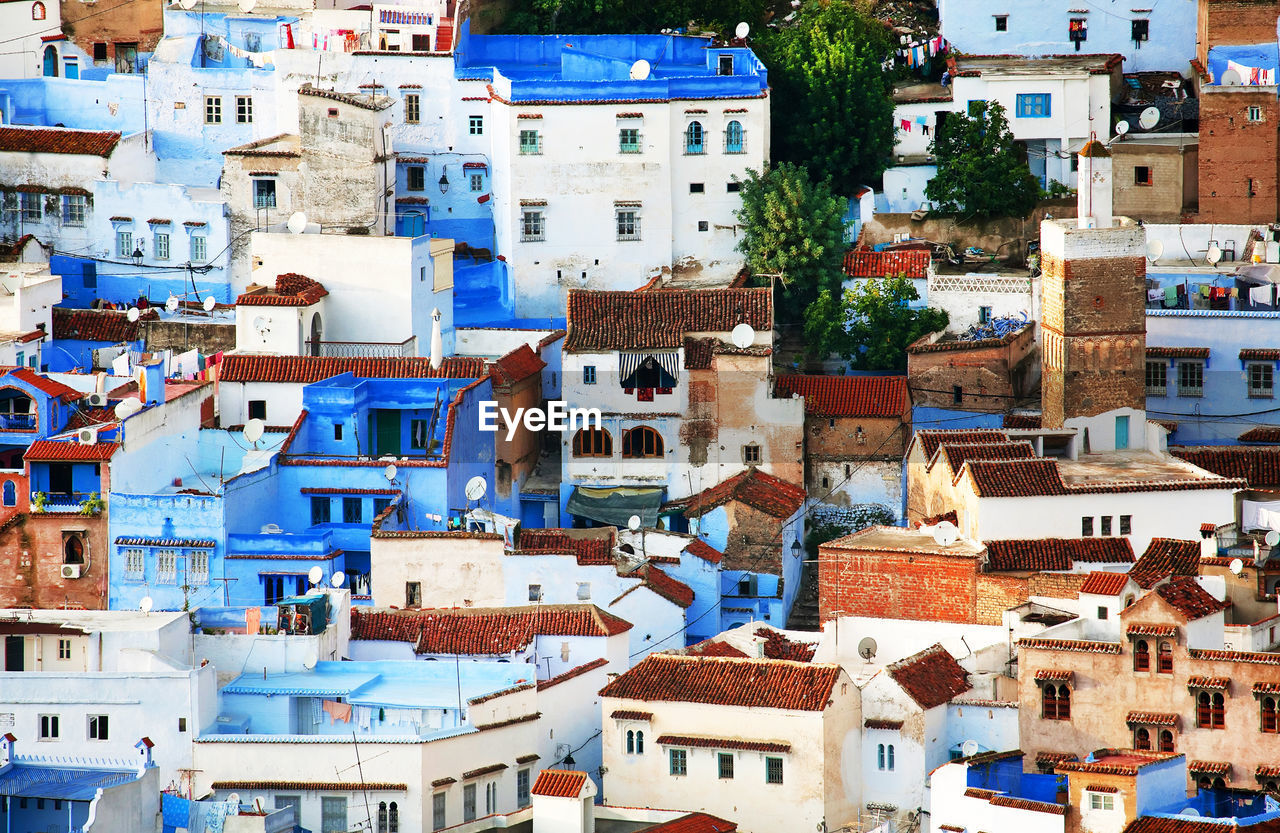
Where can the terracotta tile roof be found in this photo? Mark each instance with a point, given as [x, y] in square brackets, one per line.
[45, 384]
[1055, 553]
[698, 353]
[1251, 657]
[771, 495]
[311, 786]
[1209, 767]
[291, 290]
[701, 549]
[951, 828]
[1028, 804]
[1260, 354]
[1177, 352]
[931, 677]
[864, 263]
[441, 782]
[1055, 674]
[308, 369]
[874, 723]
[713, 648]
[1151, 718]
[516, 366]
[950, 516]
[590, 552]
[1115, 761]
[974, 792]
[57, 140]
[1102, 788]
[1166, 557]
[673, 590]
[364, 102]
[750, 683]
[480, 630]
[695, 823]
[1182, 824]
[848, 396]
[956, 454]
[1267, 771]
[601, 321]
[572, 673]
[98, 325]
[1256, 465]
[1190, 599]
[1101, 583]
[1021, 421]
[778, 646]
[1150, 629]
[703, 742]
[930, 438]
[1054, 757]
[1016, 478]
[54, 451]
[625, 714]
[1262, 688]
[559, 783]
[1212, 683]
[483, 770]
[1261, 434]
[1078, 645]
[90, 416]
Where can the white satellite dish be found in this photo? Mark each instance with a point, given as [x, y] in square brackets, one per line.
[1214, 255]
[742, 30]
[1231, 78]
[743, 336]
[209, 303]
[476, 488]
[640, 70]
[1190, 811]
[260, 803]
[310, 660]
[945, 534]
[133, 314]
[234, 798]
[968, 749]
[146, 604]
[297, 223]
[867, 648]
[390, 472]
[1155, 248]
[633, 523]
[187, 4]
[1149, 118]
[1272, 538]
[1122, 127]
[171, 304]
[122, 409]
[253, 430]
[337, 578]
[315, 575]
[246, 6]
[1236, 567]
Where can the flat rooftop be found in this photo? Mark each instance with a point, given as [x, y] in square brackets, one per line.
[90, 620]
[921, 93]
[1092, 64]
[898, 539]
[1131, 465]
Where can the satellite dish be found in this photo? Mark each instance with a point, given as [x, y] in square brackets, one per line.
[969, 748]
[1155, 248]
[743, 336]
[742, 30]
[640, 70]
[260, 803]
[187, 4]
[122, 409]
[246, 6]
[209, 303]
[476, 488]
[133, 314]
[253, 430]
[867, 648]
[633, 523]
[1149, 118]
[297, 223]
[146, 604]
[1190, 811]
[1122, 127]
[1236, 567]
[171, 304]
[234, 798]
[945, 534]
[1214, 255]
[315, 575]
[1231, 78]
[390, 472]
[1272, 538]
[337, 578]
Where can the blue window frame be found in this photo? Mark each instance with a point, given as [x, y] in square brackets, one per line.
[1034, 105]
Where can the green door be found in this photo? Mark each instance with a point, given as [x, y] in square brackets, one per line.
[387, 436]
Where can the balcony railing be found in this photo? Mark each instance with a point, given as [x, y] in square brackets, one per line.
[17, 422]
[65, 502]
[361, 349]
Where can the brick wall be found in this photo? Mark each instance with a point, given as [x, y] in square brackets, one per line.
[1163, 200]
[997, 592]
[1230, 22]
[31, 563]
[895, 585]
[883, 439]
[754, 540]
[1238, 155]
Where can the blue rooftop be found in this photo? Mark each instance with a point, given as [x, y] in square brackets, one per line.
[23, 780]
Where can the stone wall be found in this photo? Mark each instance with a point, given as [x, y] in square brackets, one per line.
[1238, 163]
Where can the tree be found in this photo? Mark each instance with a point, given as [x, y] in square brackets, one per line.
[832, 101]
[871, 324]
[980, 171]
[794, 227]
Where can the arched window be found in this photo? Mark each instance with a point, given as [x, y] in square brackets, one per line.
[1142, 739]
[37, 11]
[693, 138]
[880, 756]
[891, 757]
[631, 742]
[1164, 663]
[1218, 712]
[382, 817]
[1128, 600]
[1219, 784]
[10, 493]
[73, 550]
[642, 441]
[1141, 656]
[733, 137]
[592, 442]
[317, 334]
[1166, 741]
[393, 819]
[50, 62]
[639, 743]
[1269, 722]
[1204, 783]
[1057, 702]
[1064, 703]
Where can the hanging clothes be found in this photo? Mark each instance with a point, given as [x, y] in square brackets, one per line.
[1171, 296]
[905, 124]
[1260, 295]
[337, 711]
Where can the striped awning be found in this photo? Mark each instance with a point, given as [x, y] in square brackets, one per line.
[630, 363]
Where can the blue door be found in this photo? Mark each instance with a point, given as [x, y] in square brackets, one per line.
[50, 62]
[1122, 432]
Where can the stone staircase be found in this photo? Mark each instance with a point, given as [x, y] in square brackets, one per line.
[804, 612]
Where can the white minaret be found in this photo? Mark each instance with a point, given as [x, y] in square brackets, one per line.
[1093, 180]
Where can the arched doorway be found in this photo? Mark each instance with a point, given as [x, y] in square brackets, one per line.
[50, 61]
[317, 334]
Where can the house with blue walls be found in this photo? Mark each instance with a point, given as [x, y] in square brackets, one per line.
[79, 333]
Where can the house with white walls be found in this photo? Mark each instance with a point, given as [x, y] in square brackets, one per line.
[768, 744]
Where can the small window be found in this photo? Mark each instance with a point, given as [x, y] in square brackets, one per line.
[530, 143]
[522, 788]
[694, 140]
[412, 108]
[418, 439]
[264, 193]
[1034, 105]
[957, 394]
[38, 11]
[477, 183]
[984, 315]
[1126, 524]
[735, 140]
[49, 727]
[535, 592]
[244, 109]
[880, 756]
[73, 209]
[319, 509]
[337, 431]
[724, 764]
[1260, 381]
[352, 510]
[1191, 378]
[725, 65]
[1157, 378]
[891, 757]
[733, 187]
[697, 188]
[629, 140]
[1056, 702]
[628, 222]
[773, 770]
[160, 246]
[751, 454]
[1086, 526]
[98, 727]
[1142, 175]
[380, 505]
[1002, 22]
[584, 591]
[532, 227]
[1101, 801]
[1254, 114]
[592, 442]
[1141, 655]
[99, 52]
[413, 594]
[679, 762]
[182, 724]
[64, 649]
[475, 125]
[1105, 524]
[124, 244]
[437, 811]
[257, 409]
[1164, 660]
[1103, 613]
[416, 178]
[1166, 741]
[1141, 29]
[1270, 716]
[704, 225]
[199, 249]
[213, 109]
[642, 442]
[589, 374]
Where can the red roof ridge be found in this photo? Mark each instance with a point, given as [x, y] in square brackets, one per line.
[604, 320]
[930, 677]
[866, 263]
[726, 681]
[516, 366]
[758, 489]
[57, 140]
[254, 367]
[848, 396]
[291, 290]
[560, 783]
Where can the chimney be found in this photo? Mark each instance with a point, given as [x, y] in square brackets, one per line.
[7, 753]
[1093, 181]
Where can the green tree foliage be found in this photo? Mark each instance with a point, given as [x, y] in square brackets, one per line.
[624, 17]
[794, 227]
[980, 171]
[832, 102]
[871, 324]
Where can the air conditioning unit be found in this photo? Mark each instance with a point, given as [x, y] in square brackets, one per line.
[96, 400]
[87, 436]
[71, 570]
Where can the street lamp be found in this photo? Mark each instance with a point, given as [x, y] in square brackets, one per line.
[796, 549]
[444, 181]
